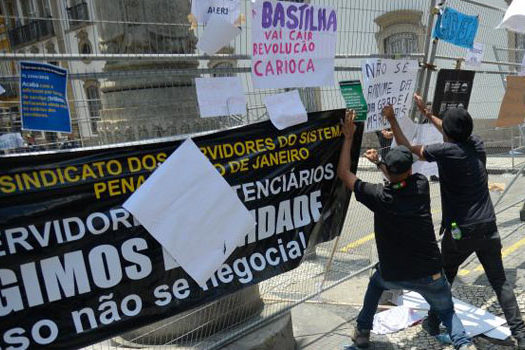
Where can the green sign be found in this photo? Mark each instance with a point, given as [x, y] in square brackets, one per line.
[353, 94]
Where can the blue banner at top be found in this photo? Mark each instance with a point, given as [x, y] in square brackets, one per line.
[43, 97]
[456, 28]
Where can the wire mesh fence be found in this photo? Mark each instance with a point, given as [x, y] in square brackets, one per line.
[132, 66]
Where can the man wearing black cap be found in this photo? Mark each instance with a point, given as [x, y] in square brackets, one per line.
[409, 256]
[469, 221]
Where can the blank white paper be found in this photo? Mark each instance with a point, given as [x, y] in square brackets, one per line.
[426, 134]
[188, 207]
[285, 109]
[220, 96]
[217, 34]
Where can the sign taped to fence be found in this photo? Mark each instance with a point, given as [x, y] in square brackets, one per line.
[475, 55]
[43, 97]
[512, 110]
[453, 89]
[293, 45]
[352, 92]
[81, 269]
[456, 28]
[388, 82]
[203, 10]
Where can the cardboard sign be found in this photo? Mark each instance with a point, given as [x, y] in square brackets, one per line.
[512, 110]
[293, 45]
[456, 28]
[43, 97]
[352, 92]
[453, 89]
[388, 82]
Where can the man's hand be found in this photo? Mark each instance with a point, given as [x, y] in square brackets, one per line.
[420, 104]
[387, 134]
[388, 113]
[372, 156]
[348, 124]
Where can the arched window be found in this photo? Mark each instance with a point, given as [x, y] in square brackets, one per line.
[400, 32]
[401, 44]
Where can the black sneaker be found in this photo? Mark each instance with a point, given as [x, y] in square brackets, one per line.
[361, 338]
[431, 325]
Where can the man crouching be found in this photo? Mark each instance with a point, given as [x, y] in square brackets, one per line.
[409, 256]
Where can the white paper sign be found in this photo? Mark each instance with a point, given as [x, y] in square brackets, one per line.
[11, 140]
[217, 34]
[475, 320]
[427, 134]
[203, 10]
[514, 17]
[285, 109]
[475, 55]
[292, 47]
[220, 96]
[188, 207]
[387, 82]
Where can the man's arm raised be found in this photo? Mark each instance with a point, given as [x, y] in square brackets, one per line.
[343, 168]
[401, 139]
[427, 113]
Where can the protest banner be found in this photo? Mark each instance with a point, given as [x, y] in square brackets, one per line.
[456, 28]
[293, 45]
[453, 89]
[352, 92]
[203, 10]
[77, 268]
[387, 82]
[512, 110]
[43, 97]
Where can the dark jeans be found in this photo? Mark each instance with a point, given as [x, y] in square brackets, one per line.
[488, 250]
[436, 293]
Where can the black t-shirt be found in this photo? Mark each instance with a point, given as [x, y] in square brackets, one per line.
[465, 196]
[405, 239]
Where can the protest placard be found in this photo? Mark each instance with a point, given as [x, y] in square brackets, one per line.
[221, 96]
[352, 92]
[456, 28]
[293, 45]
[453, 89]
[475, 55]
[203, 10]
[512, 110]
[43, 97]
[387, 82]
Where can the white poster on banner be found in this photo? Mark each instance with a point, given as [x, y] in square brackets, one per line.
[203, 10]
[293, 45]
[187, 191]
[286, 109]
[11, 140]
[220, 96]
[475, 55]
[217, 34]
[388, 82]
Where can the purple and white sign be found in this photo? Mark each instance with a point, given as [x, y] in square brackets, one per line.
[293, 45]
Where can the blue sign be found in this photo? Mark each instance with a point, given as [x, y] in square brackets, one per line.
[43, 97]
[456, 28]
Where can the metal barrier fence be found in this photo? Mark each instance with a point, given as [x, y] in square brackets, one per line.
[132, 66]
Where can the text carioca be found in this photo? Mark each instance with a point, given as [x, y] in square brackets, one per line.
[304, 17]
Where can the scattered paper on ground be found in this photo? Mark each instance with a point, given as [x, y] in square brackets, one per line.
[220, 96]
[475, 320]
[396, 319]
[188, 207]
[285, 109]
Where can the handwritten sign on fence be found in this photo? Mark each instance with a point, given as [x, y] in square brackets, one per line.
[456, 28]
[387, 82]
[293, 45]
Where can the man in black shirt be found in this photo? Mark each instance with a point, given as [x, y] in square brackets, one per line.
[466, 204]
[409, 257]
